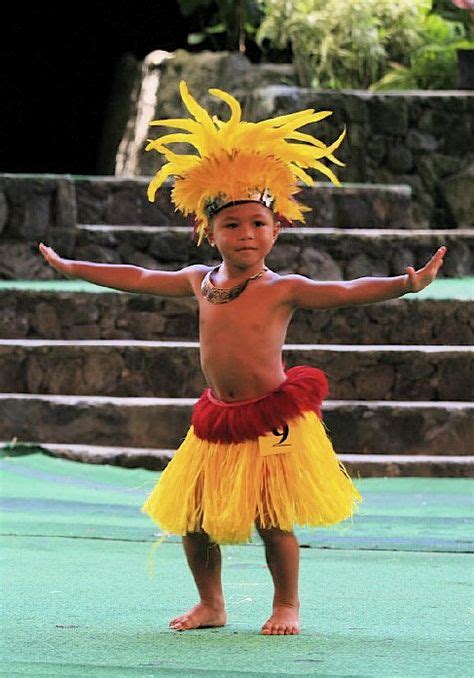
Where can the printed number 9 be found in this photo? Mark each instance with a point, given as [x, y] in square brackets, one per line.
[284, 434]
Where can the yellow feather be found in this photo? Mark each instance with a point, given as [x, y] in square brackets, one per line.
[307, 120]
[157, 181]
[283, 119]
[236, 110]
[325, 170]
[177, 138]
[300, 136]
[200, 113]
[334, 146]
[155, 145]
[301, 174]
[338, 141]
[179, 123]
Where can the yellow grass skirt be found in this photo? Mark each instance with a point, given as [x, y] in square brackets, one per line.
[224, 489]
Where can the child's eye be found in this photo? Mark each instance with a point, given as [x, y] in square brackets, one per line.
[231, 224]
[259, 223]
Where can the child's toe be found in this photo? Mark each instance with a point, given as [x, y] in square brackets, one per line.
[178, 623]
[179, 626]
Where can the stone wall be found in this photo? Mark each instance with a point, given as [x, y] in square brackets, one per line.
[33, 209]
[57, 314]
[151, 370]
[423, 138]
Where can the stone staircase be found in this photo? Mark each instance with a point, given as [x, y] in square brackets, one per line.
[109, 377]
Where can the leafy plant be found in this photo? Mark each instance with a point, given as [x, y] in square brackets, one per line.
[449, 9]
[433, 65]
[342, 43]
[338, 44]
[226, 24]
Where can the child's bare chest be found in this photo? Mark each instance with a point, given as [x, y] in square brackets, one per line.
[253, 319]
[241, 342]
[233, 315]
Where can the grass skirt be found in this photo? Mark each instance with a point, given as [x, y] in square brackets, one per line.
[224, 488]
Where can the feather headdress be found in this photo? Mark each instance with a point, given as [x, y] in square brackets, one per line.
[240, 161]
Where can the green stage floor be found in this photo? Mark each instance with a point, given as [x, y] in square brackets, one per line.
[442, 288]
[85, 593]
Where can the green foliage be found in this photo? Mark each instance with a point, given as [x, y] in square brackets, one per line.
[448, 10]
[377, 44]
[225, 24]
[342, 43]
[433, 65]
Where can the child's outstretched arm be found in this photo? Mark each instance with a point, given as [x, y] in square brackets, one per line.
[124, 277]
[308, 293]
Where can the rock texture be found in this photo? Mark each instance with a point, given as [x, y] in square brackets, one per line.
[172, 369]
[34, 208]
[356, 427]
[122, 201]
[29, 314]
[317, 253]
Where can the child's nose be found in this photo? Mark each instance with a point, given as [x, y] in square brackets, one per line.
[246, 233]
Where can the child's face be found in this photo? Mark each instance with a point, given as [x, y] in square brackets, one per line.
[244, 233]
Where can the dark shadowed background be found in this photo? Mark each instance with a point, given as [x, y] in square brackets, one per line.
[59, 61]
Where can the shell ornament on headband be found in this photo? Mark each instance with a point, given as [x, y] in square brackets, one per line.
[240, 161]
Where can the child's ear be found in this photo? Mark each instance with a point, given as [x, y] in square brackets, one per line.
[276, 229]
[210, 237]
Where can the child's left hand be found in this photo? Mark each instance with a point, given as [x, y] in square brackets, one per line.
[418, 280]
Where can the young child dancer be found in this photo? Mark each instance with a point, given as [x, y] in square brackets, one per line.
[257, 452]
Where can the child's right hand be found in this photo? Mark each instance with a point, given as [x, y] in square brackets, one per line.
[53, 259]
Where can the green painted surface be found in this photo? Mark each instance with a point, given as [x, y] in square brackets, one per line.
[447, 288]
[443, 288]
[53, 286]
[388, 594]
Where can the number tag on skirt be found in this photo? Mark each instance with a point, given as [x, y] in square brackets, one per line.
[278, 441]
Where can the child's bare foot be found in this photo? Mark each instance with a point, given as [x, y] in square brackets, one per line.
[283, 622]
[201, 616]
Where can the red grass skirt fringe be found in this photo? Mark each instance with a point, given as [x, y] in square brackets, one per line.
[218, 421]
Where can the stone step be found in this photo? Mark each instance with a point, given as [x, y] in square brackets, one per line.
[358, 465]
[319, 253]
[171, 369]
[71, 309]
[356, 427]
[39, 202]
[116, 200]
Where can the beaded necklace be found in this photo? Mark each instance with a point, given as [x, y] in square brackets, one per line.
[222, 295]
